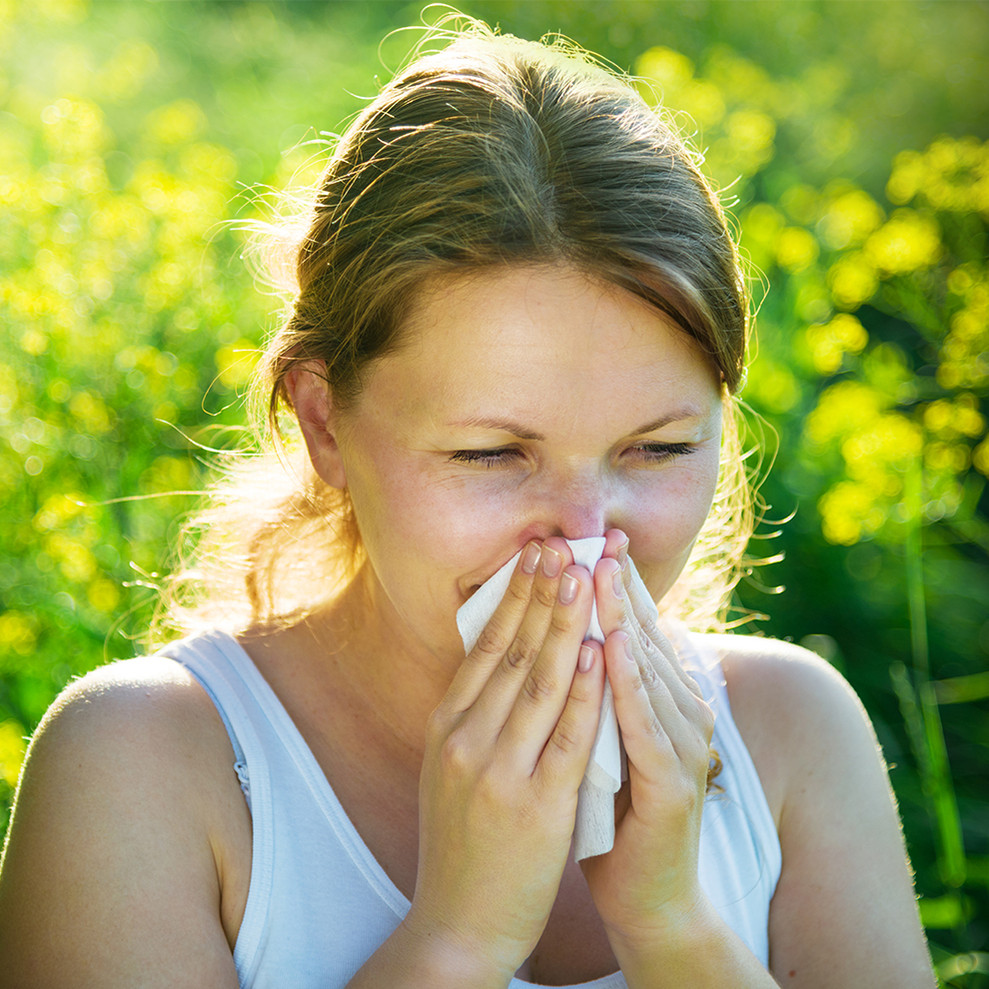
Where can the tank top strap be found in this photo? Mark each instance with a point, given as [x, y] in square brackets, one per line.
[226, 673]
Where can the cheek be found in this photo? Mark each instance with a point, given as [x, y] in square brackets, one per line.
[666, 526]
[414, 520]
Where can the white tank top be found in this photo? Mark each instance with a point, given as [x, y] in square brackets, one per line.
[319, 904]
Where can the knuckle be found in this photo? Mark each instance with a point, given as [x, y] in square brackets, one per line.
[517, 592]
[654, 729]
[436, 726]
[647, 673]
[645, 638]
[489, 641]
[539, 686]
[456, 754]
[637, 683]
[442, 722]
[561, 621]
[520, 654]
[654, 653]
[544, 595]
[491, 790]
[565, 738]
[651, 630]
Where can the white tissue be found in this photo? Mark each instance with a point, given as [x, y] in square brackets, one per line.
[595, 828]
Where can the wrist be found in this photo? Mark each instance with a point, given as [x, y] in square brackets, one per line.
[668, 941]
[440, 957]
[694, 947]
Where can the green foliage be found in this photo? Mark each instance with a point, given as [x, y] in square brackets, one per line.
[849, 140]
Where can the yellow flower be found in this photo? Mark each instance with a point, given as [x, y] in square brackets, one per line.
[796, 249]
[853, 280]
[103, 595]
[849, 219]
[18, 634]
[980, 457]
[669, 68]
[906, 242]
[842, 408]
[831, 341]
[849, 512]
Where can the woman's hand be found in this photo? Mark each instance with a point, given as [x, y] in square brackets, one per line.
[646, 889]
[505, 753]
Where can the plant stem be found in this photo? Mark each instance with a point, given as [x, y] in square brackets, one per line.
[934, 765]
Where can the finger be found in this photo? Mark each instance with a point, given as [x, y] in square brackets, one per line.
[686, 719]
[655, 729]
[564, 758]
[652, 647]
[496, 636]
[616, 613]
[543, 694]
[646, 614]
[643, 607]
[645, 710]
[616, 545]
[500, 691]
[658, 665]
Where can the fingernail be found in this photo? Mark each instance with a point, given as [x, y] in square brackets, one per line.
[585, 659]
[628, 649]
[622, 554]
[568, 588]
[552, 562]
[617, 584]
[530, 558]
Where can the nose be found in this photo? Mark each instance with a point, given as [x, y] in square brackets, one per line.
[574, 507]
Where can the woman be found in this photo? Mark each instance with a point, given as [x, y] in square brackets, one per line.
[519, 324]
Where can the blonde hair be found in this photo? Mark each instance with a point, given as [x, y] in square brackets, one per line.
[488, 151]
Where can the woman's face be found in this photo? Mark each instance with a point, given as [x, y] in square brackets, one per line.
[522, 403]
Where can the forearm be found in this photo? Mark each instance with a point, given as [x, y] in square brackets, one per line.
[702, 951]
[410, 960]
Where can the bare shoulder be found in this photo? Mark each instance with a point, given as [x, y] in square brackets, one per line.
[132, 724]
[790, 705]
[126, 800]
[764, 670]
[145, 696]
[844, 910]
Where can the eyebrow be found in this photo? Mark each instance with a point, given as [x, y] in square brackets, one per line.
[524, 433]
[688, 412]
[501, 426]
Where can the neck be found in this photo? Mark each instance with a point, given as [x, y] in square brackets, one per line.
[369, 656]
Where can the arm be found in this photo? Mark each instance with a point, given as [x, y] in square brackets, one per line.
[663, 930]
[113, 870]
[844, 912]
[505, 753]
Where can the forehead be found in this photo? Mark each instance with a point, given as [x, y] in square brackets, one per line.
[541, 340]
[553, 313]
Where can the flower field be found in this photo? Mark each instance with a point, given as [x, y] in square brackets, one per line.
[849, 141]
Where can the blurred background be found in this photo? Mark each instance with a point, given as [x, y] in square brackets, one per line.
[850, 140]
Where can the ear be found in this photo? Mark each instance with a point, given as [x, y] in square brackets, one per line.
[309, 392]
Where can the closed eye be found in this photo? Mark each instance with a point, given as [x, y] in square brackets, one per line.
[661, 452]
[486, 458]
